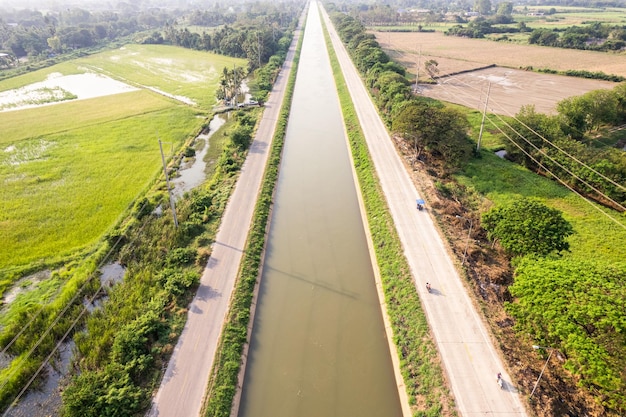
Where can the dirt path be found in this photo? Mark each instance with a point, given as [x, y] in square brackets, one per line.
[470, 360]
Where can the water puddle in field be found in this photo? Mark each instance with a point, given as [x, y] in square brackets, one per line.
[110, 275]
[23, 285]
[45, 401]
[192, 172]
[57, 88]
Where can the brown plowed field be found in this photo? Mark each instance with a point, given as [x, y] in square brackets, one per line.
[511, 87]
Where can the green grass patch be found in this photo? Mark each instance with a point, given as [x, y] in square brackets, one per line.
[67, 178]
[63, 190]
[502, 181]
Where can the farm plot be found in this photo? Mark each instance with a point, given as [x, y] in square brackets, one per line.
[69, 170]
[456, 54]
[511, 87]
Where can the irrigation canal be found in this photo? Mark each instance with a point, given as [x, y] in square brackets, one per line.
[318, 344]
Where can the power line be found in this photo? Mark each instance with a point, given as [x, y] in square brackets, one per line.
[56, 320]
[544, 139]
[559, 164]
[537, 162]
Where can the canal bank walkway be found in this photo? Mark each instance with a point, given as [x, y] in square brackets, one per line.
[470, 360]
[184, 384]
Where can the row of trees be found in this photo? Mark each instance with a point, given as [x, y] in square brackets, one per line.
[431, 129]
[596, 36]
[556, 143]
[572, 305]
[259, 26]
[257, 43]
[33, 34]
[258, 33]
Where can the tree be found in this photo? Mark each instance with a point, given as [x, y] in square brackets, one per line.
[431, 67]
[544, 37]
[482, 6]
[505, 8]
[578, 307]
[528, 227]
[230, 83]
[55, 43]
[589, 111]
[440, 130]
[522, 142]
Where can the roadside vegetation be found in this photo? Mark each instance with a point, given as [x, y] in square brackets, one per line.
[222, 384]
[517, 282]
[420, 367]
[107, 155]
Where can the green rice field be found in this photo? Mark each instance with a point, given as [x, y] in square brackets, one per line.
[68, 171]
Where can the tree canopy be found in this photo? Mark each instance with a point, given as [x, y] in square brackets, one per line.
[439, 129]
[526, 227]
[579, 308]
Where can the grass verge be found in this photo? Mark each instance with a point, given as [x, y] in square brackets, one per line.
[419, 360]
[222, 384]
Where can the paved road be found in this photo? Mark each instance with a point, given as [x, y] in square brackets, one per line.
[468, 355]
[184, 384]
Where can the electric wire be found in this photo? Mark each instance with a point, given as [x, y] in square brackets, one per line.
[464, 93]
[506, 112]
[56, 320]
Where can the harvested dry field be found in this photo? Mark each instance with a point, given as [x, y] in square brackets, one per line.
[511, 88]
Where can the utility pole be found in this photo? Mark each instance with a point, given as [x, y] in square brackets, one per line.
[419, 62]
[235, 85]
[482, 123]
[167, 182]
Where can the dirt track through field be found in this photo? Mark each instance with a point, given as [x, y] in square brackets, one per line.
[511, 87]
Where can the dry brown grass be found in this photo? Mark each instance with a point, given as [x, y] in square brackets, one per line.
[459, 54]
[511, 88]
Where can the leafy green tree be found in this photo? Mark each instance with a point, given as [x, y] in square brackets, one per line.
[524, 136]
[544, 37]
[579, 308]
[482, 6]
[590, 111]
[241, 136]
[437, 129]
[505, 8]
[528, 227]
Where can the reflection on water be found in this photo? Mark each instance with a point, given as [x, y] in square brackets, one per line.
[318, 346]
[192, 176]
